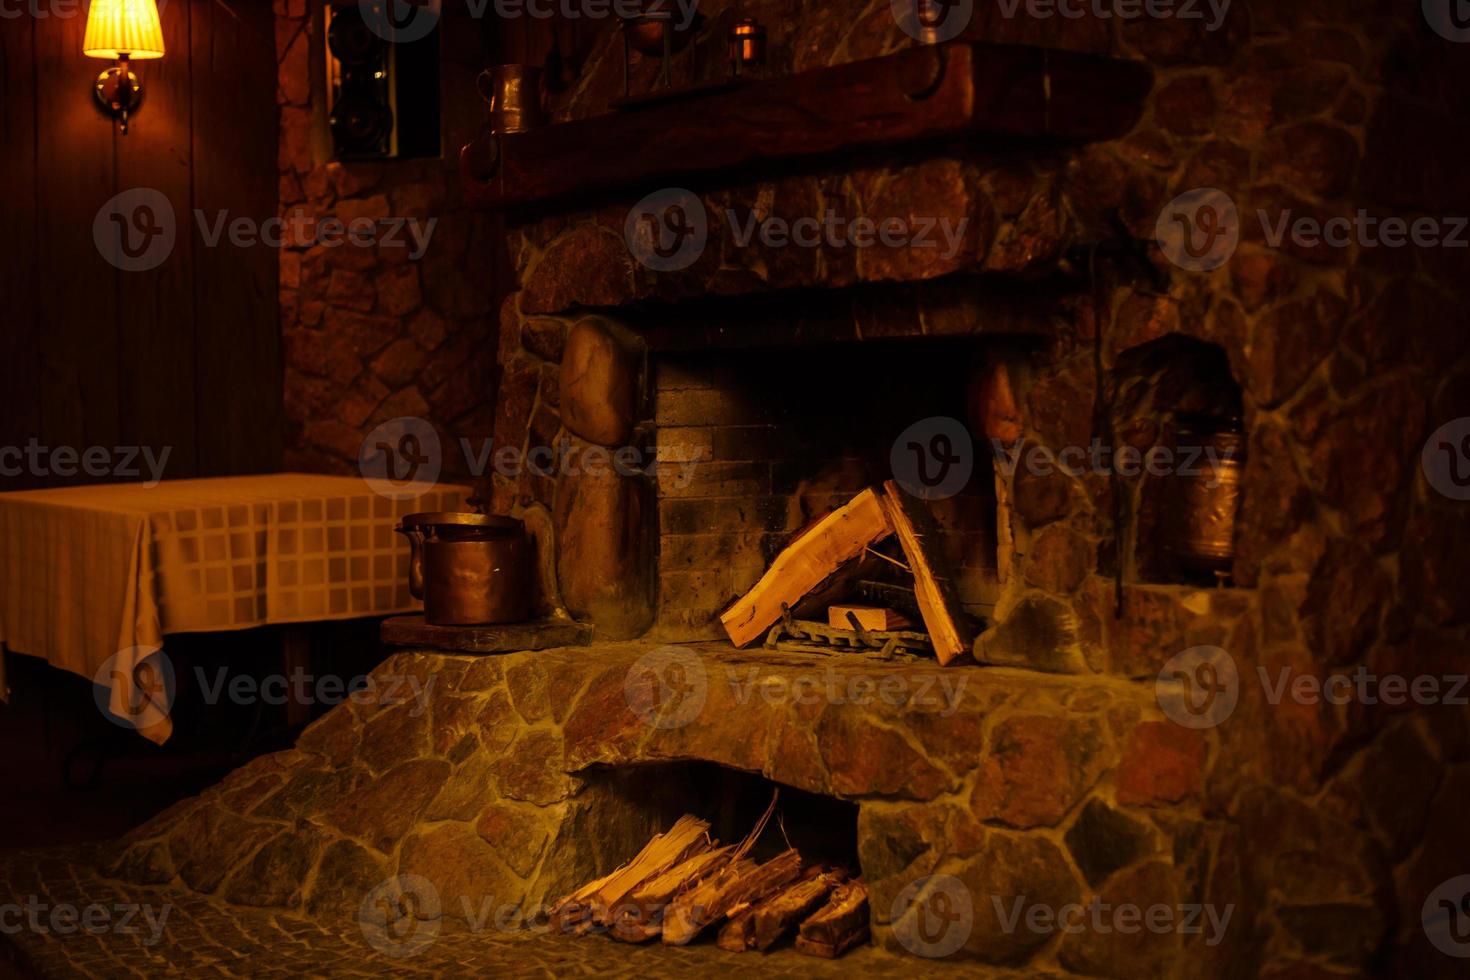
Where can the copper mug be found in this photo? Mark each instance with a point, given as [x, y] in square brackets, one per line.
[514, 94]
[1205, 504]
[469, 569]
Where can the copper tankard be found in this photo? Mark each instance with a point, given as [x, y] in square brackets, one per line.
[514, 95]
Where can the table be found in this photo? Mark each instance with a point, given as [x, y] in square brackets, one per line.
[92, 578]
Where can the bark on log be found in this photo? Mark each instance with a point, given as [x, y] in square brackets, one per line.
[641, 916]
[759, 926]
[839, 925]
[741, 884]
[593, 903]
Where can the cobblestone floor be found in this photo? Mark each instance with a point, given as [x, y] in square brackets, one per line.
[178, 932]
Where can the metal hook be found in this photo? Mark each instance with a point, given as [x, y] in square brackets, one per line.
[941, 68]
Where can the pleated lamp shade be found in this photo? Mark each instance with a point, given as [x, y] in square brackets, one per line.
[123, 27]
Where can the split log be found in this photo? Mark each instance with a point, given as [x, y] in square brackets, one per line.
[641, 916]
[939, 603]
[740, 885]
[686, 916]
[868, 618]
[815, 554]
[839, 925]
[593, 903]
[759, 926]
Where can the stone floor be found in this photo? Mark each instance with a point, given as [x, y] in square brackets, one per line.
[192, 935]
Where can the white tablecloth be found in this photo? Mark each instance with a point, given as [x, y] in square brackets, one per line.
[92, 578]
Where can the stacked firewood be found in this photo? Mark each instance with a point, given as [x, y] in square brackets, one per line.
[824, 557]
[684, 883]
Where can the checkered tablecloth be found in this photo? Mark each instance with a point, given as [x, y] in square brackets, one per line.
[92, 578]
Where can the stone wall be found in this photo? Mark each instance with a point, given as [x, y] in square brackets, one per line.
[371, 334]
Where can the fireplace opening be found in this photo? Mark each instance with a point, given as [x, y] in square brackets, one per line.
[696, 852]
[636, 802]
[756, 443]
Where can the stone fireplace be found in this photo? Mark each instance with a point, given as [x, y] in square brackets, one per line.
[765, 405]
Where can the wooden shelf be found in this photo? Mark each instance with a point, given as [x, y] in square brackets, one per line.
[542, 634]
[1010, 94]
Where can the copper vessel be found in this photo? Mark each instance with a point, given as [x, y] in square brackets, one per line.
[514, 94]
[747, 44]
[469, 569]
[1206, 499]
[654, 30]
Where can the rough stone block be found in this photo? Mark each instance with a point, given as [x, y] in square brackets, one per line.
[461, 867]
[1035, 769]
[1102, 840]
[604, 548]
[601, 379]
[348, 872]
[1037, 632]
[1162, 763]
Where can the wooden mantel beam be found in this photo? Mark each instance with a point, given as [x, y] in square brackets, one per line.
[1006, 93]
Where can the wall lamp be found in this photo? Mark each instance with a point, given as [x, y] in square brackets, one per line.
[122, 30]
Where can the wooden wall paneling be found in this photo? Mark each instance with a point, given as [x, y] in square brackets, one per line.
[76, 289]
[235, 122]
[20, 358]
[156, 317]
[461, 59]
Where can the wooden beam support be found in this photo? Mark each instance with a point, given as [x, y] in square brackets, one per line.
[542, 634]
[1000, 93]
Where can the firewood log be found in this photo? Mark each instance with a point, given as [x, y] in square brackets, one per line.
[759, 926]
[944, 617]
[739, 885]
[816, 553]
[868, 617]
[732, 864]
[593, 903]
[641, 915]
[686, 916]
[837, 926]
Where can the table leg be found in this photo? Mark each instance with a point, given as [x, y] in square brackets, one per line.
[295, 660]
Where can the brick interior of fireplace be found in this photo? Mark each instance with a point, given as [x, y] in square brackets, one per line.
[781, 437]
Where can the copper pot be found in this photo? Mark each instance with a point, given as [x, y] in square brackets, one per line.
[469, 569]
[655, 30]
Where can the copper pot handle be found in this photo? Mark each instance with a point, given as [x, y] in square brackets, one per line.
[415, 560]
